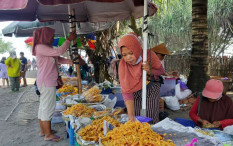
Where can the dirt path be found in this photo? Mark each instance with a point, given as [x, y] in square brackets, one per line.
[18, 118]
[18, 123]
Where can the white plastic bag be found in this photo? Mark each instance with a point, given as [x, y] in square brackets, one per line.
[177, 91]
[183, 79]
[110, 103]
[228, 129]
[185, 94]
[172, 102]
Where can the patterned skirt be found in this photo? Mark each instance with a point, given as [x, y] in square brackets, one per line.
[152, 102]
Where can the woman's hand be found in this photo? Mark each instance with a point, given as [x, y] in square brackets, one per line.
[72, 36]
[130, 109]
[146, 67]
[205, 123]
[132, 118]
[217, 124]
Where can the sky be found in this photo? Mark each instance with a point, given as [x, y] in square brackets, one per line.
[17, 43]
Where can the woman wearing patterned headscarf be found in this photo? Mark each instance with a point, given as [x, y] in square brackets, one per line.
[47, 61]
[130, 75]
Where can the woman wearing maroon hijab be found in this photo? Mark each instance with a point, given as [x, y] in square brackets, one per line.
[130, 75]
[213, 108]
[47, 60]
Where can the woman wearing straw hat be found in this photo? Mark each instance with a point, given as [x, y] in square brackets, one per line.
[213, 108]
[130, 75]
[161, 50]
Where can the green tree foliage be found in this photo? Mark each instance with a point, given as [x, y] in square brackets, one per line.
[5, 46]
[172, 24]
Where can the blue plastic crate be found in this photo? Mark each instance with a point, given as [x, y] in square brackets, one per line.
[70, 134]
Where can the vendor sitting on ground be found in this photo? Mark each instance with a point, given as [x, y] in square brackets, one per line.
[213, 109]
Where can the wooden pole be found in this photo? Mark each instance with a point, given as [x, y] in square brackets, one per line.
[75, 48]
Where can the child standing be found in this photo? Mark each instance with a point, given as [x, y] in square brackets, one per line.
[3, 73]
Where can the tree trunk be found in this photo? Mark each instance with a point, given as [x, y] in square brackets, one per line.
[199, 56]
[99, 56]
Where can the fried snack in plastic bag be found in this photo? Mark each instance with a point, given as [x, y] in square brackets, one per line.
[79, 110]
[100, 114]
[93, 95]
[67, 89]
[134, 134]
[204, 132]
[117, 112]
[94, 131]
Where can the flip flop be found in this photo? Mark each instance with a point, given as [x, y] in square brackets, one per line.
[53, 132]
[54, 139]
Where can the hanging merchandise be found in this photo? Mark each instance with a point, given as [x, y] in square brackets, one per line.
[91, 45]
[91, 36]
[29, 41]
[55, 41]
[79, 44]
[61, 41]
[93, 41]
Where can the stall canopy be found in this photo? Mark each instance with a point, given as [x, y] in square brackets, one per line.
[25, 29]
[85, 10]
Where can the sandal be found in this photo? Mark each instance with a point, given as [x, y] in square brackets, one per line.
[53, 132]
[54, 139]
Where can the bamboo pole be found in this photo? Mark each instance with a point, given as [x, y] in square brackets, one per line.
[65, 36]
[74, 47]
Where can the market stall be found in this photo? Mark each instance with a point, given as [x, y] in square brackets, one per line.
[94, 118]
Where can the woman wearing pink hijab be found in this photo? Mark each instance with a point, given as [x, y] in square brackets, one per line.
[130, 75]
[47, 61]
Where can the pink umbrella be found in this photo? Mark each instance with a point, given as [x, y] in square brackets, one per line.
[85, 10]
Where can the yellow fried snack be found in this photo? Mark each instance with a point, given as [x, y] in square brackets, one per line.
[209, 126]
[67, 88]
[93, 95]
[94, 131]
[204, 132]
[79, 110]
[117, 112]
[134, 134]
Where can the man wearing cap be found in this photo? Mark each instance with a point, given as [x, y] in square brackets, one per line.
[23, 68]
[213, 109]
[13, 70]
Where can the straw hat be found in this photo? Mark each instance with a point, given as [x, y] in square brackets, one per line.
[161, 49]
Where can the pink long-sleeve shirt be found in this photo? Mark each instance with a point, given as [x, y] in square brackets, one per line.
[47, 60]
[156, 73]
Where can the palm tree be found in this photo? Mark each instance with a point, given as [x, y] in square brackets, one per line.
[199, 56]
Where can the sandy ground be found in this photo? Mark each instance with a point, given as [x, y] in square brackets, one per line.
[18, 117]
